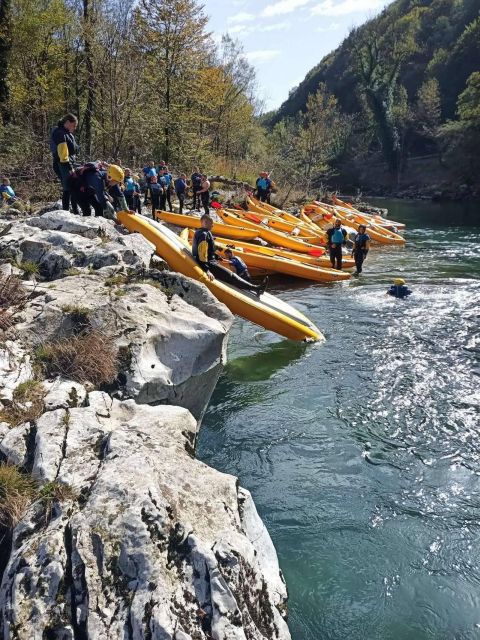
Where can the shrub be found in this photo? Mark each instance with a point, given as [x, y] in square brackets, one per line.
[12, 298]
[88, 357]
[17, 492]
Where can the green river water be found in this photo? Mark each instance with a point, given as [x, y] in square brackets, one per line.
[363, 453]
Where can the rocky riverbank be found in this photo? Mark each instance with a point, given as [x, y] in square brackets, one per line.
[111, 528]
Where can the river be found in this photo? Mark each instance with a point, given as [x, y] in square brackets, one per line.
[363, 453]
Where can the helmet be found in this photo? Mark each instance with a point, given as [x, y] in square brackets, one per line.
[399, 281]
[114, 172]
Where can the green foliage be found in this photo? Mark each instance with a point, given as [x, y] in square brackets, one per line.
[468, 106]
[29, 268]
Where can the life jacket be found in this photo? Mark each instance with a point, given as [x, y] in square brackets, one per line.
[337, 237]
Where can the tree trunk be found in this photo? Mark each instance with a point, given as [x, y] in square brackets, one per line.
[5, 45]
[87, 30]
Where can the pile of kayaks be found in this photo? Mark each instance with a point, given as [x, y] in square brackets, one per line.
[269, 240]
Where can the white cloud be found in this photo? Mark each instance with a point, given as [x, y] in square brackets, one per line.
[243, 16]
[333, 26]
[277, 26]
[263, 55]
[345, 7]
[239, 28]
[282, 7]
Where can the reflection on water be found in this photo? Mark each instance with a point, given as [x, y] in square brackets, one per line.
[363, 454]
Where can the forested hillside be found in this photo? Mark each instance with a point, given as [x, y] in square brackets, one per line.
[408, 80]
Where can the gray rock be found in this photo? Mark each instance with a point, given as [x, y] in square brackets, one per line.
[14, 444]
[157, 547]
[55, 251]
[15, 368]
[63, 394]
[175, 345]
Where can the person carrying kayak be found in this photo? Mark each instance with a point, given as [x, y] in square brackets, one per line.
[399, 289]
[203, 250]
[361, 246]
[238, 264]
[337, 238]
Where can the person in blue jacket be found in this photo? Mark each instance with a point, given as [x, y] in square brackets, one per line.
[168, 180]
[149, 172]
[264, 186]
[131, 191]
[399, 289]
[336, 239]
[238, 264]
[7, 194]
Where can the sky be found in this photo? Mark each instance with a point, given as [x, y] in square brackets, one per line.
[284, 39]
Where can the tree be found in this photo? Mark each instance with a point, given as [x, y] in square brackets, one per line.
[428, 108]
[5, 46]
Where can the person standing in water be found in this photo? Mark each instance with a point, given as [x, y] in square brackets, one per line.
[337, 238]
[361, 246]
[203, 250]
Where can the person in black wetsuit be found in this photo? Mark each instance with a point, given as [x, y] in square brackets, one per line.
[361, 246]
[337, 238]
[64, 149]
[203, 250]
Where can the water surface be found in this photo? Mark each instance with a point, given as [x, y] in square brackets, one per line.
[363, 453]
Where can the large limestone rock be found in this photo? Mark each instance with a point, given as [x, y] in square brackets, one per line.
[153, 544]
[58, 241]
[170, 330]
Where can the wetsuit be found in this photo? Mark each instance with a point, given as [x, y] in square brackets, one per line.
[240, 267]
[181, 191]
[167, 177]
[205, 196]
[64, 149]
[264, 186]
[399, 291]
[129, 192]
[196, 179]
[87, 187]
[119, 201]
[203, 250]
[360, 249]
[156, 191]
[148, 172]
[336, 239]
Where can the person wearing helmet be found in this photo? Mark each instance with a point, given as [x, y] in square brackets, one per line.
[114, 179]
[399, 289]
[264, 186]
[87, 188]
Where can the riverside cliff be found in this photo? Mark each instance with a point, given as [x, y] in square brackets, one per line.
[111, 528]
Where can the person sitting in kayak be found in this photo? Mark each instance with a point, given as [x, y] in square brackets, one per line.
[238, 264]
[361, 246]
[203, 250]
[399, 289]
[337, 238]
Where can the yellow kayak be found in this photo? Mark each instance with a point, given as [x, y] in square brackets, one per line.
[219, 229]
[297, 229]
[287, 266]
[318, 259]
[273, 237]
[369, 217]
[267, 310]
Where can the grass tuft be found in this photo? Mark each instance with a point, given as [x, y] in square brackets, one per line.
[29, 268]
[17, 492]
[27, 404]
[88, 357]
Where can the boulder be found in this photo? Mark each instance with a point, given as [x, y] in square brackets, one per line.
[58, 241]
[170, 330]
[15, 368]
[148, 543]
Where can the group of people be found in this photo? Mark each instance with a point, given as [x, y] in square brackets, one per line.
[109, 188]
